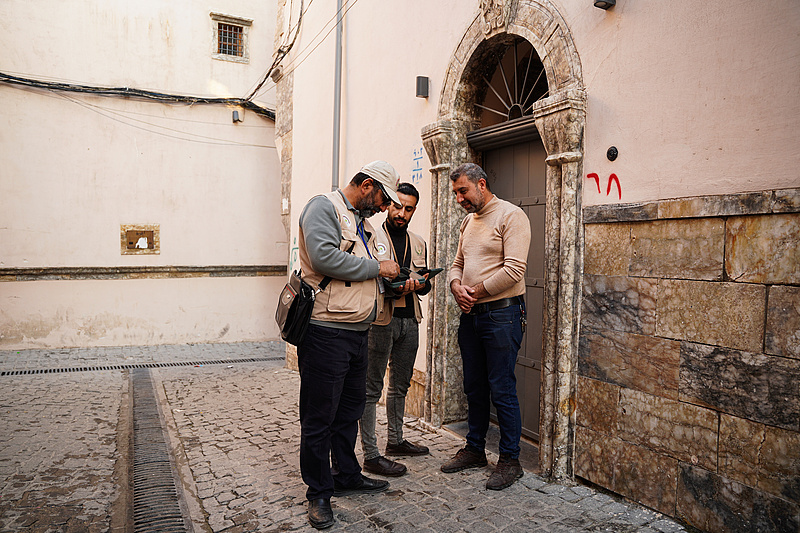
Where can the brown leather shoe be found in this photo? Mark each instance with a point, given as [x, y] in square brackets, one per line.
[384, 467]
[466, 457]
[320, 514]
[506, 472]
[406, 448]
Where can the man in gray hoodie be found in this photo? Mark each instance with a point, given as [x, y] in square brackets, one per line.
[344, 256]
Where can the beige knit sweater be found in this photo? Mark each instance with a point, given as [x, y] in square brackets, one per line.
[493, 249]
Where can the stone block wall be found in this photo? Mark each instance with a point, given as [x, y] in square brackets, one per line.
[689, 360]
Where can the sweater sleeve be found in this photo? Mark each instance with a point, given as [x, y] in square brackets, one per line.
[516, 234]
[323, 235]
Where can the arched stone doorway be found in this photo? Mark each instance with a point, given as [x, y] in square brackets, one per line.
[560, 119]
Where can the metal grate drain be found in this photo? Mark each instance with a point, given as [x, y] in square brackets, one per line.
[155, 497]
[133, 366]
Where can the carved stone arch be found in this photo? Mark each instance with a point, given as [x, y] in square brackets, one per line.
[560, 120]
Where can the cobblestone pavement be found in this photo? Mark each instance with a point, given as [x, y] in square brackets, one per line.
[234, 432]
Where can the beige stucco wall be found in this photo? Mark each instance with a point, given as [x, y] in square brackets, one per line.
[76, 167]
[698, 98]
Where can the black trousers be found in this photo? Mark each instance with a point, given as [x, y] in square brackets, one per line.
[333, 370]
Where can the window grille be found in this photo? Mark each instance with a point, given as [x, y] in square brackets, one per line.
[230, 40]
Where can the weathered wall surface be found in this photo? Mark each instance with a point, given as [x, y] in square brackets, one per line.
[689, 365]
[77, 167]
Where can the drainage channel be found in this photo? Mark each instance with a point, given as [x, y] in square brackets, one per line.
[156, 508]
[134, 366]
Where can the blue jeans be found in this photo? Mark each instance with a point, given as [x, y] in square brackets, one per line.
[489, 344]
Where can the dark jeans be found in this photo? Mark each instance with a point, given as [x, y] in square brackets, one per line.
[333, 369]
[489, 344]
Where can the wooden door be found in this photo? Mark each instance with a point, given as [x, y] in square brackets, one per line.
[517, 174]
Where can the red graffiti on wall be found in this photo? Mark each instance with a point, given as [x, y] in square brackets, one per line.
[611, 179]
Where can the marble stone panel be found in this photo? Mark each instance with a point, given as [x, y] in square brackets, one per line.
[780, 464]
[740, 444]
[683, 431]
[763, 249]
[717, 504]
[607, 249]
[595, 456]
[646, 477]
[786, 201]
[782, 335]
[723, 314]
[641, 362]
[759, 387]
[597, 405]
[717, 205]
[620, 212]
[681, 249]
[619, 303]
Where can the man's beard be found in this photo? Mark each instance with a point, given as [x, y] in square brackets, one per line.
[474, 208]
[397, 223]
[368, 207]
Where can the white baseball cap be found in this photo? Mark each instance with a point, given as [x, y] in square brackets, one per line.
[386, 176]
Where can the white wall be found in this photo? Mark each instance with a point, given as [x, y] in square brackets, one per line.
[75, 167]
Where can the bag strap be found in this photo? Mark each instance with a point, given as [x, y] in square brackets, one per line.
[327, 279]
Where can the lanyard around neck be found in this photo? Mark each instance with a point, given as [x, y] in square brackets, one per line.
[360, 231]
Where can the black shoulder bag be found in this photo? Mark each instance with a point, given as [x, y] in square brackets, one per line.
[295, 306]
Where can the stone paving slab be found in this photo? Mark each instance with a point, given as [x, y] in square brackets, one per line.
[235, 432]
[58, 451]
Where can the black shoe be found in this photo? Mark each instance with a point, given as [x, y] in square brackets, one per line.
[367, 486]
[384, 467]
[467, 457]
[506, 472]
[320, 514]
[406, 448]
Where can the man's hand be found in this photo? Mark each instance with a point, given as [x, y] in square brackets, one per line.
[413, 286]
[464, 295]
[389, 269]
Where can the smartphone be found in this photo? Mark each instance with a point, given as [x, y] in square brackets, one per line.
[431, 271]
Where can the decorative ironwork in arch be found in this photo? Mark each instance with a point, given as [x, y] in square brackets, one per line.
[518, 82]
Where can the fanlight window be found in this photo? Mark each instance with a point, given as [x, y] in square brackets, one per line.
[518, 82]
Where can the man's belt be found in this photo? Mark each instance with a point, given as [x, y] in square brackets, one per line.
[494, 305]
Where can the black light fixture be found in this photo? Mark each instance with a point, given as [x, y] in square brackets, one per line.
[422, 86]
[605, 4]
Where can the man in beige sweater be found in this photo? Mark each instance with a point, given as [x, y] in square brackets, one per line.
[487, 280]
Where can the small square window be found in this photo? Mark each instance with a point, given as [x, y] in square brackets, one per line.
[230, 38]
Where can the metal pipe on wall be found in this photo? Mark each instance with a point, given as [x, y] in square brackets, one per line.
[337, 98]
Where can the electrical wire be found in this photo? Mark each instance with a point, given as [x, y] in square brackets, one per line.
[291, 66]
[200, 138]
[129, 92]
[282, 52]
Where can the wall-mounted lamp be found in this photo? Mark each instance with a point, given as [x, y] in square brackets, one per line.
[605, 4]
[422, 86]
[237, 117]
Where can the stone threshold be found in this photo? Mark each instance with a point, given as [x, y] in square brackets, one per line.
[138, 272]
[753, 203]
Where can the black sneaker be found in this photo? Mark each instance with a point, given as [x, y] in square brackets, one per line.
[467, 457]
[367, 486]
[506, 472]
[406, 448]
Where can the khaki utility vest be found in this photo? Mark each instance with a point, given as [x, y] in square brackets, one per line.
[418, 261]
[346, 301]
